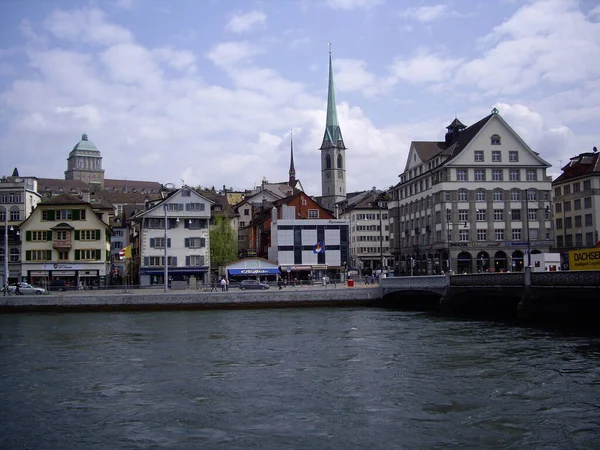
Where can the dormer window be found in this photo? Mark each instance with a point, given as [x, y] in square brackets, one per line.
[495, 139]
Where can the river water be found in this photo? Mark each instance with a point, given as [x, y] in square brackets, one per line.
[323, 378]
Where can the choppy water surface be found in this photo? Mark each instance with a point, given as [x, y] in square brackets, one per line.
[292, 378]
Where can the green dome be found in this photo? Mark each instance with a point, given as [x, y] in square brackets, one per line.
[85, 145]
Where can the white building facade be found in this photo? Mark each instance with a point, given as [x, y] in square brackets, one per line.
[478, 201]
[186, 238]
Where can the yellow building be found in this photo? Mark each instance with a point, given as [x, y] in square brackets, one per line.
[66, 238]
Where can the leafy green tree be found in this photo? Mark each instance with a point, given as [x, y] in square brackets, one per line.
[223, 242]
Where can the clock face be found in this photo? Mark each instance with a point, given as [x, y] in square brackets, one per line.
[340, 175]
[328, 174]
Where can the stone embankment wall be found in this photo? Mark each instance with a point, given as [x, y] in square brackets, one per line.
[87, 301]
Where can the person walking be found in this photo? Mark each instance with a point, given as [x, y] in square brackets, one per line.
[5, 289]
[223, 284]
[214, 286]
[18, 289]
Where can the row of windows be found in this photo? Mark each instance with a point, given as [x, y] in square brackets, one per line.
[369, 216]
[59, 215]
[566, 189]
[62, 235]
[187, 207]
[93, 254]
[567, 240]
[13, 255]
[497, 175]
[10, 197]
[588, 221]
[374, 250]
[513, 155]
[587, 203]
[159, 223]
[191, 242]
[516, 234]
[159, 261]
[15, 214]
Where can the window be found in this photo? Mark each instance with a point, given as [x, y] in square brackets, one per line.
[64, 214]
[498, 215]
[514, 175]
[515, 195]
[567, 189]
[531, 175]
[578, 222]
[589, 239]
[196, 260]
[589, 221]
[39, 255]
[313, 213]
[557, 191]
[513, 156]
[447, 196]
[567, 206]
[159, 242]
[195, 242]
[303, 201]
[14, 255]
[159, 261]
[174, 206]
[246, 211]
[496, 156]
[186, 193]
[578, 240]
[480, 195]
[587, 202]
[481, 214]
[532, 214]
[478, 155]
[482, 235]
[38, 236]
[577, 204]
[497, 195]
[89, 235]
[194, 206]
[515, 214]
[63, 255]
[495, 139]
[14, 197]
[559, 224]
[496, 174]
[587, 185]
[463, 215]
[534, 234]
[531, 195]
[479, 174]
[558, 207]
[568, 222]
[15, 215]
[569, 240]
[462, 195]
[463, 235]
[461, 175]
[576, 187]
[516, 234]
[499, 235]
[60, 235]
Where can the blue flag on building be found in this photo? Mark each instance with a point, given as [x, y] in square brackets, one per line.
[319, 247]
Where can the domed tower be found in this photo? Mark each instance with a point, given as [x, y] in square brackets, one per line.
[85, 163]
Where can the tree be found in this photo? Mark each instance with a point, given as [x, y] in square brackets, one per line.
[223, 242]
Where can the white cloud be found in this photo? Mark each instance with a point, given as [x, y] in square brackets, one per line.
[425, 68]
[426, 13]
[86, 25]
[228, 54]
[244, 22]
[352, 75]
[353, 4]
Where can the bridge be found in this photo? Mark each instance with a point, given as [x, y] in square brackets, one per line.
[524, 294]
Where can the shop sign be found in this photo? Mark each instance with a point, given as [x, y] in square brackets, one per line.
[458, 244]
[60, 266]
[63, 273]
[584, 259]
[38, 273]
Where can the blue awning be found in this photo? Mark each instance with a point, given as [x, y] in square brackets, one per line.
[261, 271]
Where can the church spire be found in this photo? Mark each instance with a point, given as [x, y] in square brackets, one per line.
[333, 133]
[292, 180]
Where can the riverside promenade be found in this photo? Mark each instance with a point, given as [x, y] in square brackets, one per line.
[103, 300]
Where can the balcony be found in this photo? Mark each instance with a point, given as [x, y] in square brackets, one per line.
[62, 244]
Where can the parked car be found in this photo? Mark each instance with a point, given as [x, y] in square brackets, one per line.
[26, 288]
[253, 284]
[57, 285]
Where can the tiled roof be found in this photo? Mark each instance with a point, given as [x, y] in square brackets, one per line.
[64, 199]
[580, 165]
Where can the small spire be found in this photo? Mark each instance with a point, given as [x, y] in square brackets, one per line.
[292, 179]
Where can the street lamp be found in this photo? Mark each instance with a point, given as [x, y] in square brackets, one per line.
[547, 210]
[381, 202]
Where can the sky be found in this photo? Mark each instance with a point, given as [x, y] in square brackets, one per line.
[207, 92]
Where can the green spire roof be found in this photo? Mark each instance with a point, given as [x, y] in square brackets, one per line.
[333, 133]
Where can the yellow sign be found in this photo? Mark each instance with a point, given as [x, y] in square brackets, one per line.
[584, 259]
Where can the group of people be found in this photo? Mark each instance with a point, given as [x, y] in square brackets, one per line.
[6, 291]
[224, 285]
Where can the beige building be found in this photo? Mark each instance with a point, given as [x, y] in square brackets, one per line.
[577, 203]
[66, 238]
[477, 201]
